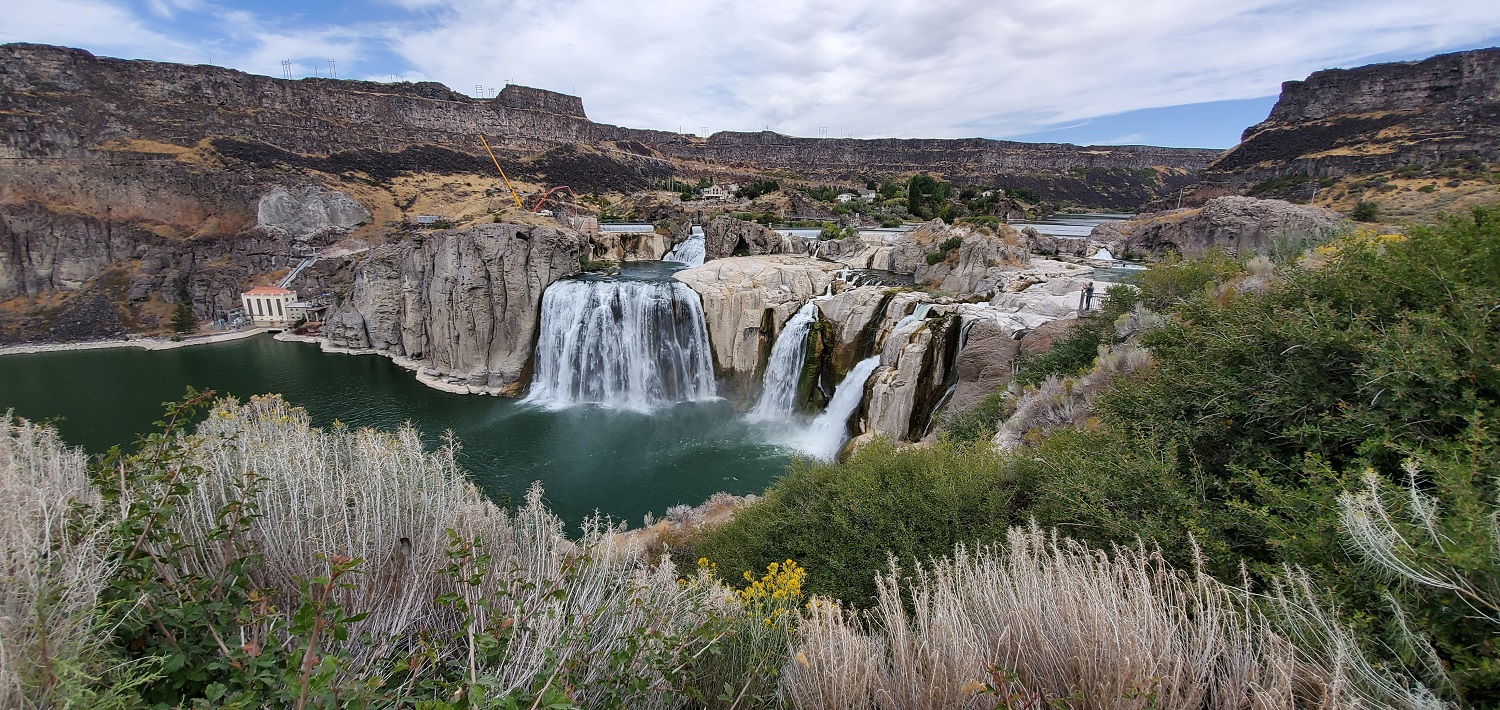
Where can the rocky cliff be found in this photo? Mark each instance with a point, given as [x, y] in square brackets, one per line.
[746, 301]
[1373, 118]
[105, 161]
[462, 305]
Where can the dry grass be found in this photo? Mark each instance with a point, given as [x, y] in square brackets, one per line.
[1063, 402]
[53, 566]
[384, 499]
[1043, 621]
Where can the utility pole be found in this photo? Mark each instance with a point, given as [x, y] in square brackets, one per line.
[286, 68]
[333, 69]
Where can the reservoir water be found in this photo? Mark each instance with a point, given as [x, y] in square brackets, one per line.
[620, 462]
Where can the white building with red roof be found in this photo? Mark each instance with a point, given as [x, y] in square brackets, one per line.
[269, 306]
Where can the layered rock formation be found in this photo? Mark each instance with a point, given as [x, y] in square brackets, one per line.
[629, 246]
[461, 304]
[1235, 224]
[746, 301]
[727, 236]
[1373, 118]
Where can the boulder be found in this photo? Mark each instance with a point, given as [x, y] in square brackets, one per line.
[1049, 245]
[629, 246]
[746, 301]
[727, 236]
[1235, 224]
[462, 304]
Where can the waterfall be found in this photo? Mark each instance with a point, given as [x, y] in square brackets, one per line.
[689, 251]
[825, 435]
[784, 368]
[917, 314]
[1102, 255]
[627, 344]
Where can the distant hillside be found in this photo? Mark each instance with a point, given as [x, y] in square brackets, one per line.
[1411, 137]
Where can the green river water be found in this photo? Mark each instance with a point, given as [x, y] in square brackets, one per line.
[621, 463]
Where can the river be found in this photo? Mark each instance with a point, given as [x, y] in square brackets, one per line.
[622, 463]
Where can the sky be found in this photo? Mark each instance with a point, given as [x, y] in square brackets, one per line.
[1187, 73]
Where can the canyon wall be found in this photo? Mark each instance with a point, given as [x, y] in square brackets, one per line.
[461, 305]
[1372, 118]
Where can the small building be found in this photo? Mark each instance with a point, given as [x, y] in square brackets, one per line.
[269, 306]
[868, 195]
[714, 192]
[310, 311]
[845, 198]
[425, 219]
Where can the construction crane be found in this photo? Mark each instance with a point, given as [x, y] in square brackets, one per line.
[502, 172]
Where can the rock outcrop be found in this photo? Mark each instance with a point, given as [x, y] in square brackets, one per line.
[1372, 118]
[629, 246]
[981, 262]
[915, 362]
[986, 361]
[308, 212]
[460, 304]
[1235, 224]
[746, 301]
[1049, 245]
[727, 236]
[855, 323]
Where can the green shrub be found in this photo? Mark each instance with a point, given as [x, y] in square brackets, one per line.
[1365, 212]
[976, 424]
[842, 520]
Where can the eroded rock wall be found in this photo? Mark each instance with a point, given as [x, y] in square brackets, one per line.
[746, 301]
[464, 303]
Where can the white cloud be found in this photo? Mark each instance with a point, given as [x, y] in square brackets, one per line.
[906, 68]
[98, 25]
[915, 67]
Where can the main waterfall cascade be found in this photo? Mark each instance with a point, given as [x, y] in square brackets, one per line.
[630, 344]
[690, 251]
[778, 392]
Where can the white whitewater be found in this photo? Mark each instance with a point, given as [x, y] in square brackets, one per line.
[625, 344]
[917, 314]
[1103, 255]
[690, 251]
[823, 438]
[778, 392]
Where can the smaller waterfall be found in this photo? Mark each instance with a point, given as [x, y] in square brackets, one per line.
[825, 435]
[628, 344]
[1102, 255]
[917, 314]
[690, 251]
[784, 368]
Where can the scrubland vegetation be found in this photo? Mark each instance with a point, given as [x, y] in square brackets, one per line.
[1259, 484]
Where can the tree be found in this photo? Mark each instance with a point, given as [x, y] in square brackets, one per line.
[183, 318]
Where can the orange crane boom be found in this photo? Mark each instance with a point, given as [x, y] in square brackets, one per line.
[502, 171]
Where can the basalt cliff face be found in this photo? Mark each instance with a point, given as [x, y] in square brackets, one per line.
[462, 306]
[157, 175]
[1375, 117]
